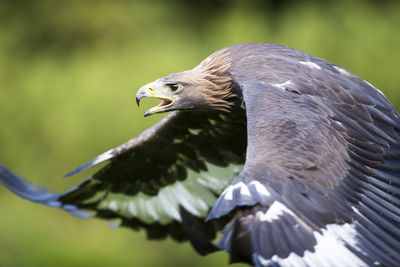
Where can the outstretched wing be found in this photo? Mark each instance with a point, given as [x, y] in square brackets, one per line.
[165, 180]
[320, 185]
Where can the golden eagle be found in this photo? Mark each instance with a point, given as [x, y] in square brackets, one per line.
[295, 160]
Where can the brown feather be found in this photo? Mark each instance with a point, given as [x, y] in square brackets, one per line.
[214, 73]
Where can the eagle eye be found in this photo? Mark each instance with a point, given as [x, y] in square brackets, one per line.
[173, 87]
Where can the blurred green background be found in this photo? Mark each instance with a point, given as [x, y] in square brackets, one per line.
[69, 71]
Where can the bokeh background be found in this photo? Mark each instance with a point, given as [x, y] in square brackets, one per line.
[69, 71]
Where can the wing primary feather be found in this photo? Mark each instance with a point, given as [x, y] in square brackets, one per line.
[377, 236]
[375, 246]
[381, 221]
[388, 136]
[99, 159]
[376, 194]
[389, 177]
[384, 210]
[393, 152]
[377, 114]
[36, 193]
[375, 181]
[391, 165]
[361, 130]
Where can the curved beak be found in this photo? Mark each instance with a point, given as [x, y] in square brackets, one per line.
[155, 90]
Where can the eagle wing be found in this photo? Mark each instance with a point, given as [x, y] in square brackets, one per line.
[322, 173]
[165, 180]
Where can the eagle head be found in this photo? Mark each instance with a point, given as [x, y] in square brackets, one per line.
[207, 87]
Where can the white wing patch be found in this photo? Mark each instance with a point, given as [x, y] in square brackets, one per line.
[261, 190]
[274, 211]
[228, 192]
[244, 190]
[330, 250]
[310, 64]
[197, 194]
[282, 86]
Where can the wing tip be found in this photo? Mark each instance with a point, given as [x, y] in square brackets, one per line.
[21, 187]
[35, 193]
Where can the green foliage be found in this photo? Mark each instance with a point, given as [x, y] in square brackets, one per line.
[69, 71]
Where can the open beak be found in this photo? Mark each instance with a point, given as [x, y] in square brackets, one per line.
[155, 90]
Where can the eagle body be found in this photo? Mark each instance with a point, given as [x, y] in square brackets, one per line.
[295, 160]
